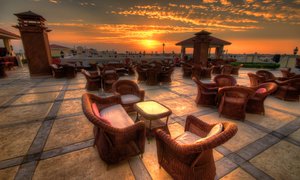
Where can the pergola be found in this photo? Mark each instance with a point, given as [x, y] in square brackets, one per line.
[6, 36]
[203, 37]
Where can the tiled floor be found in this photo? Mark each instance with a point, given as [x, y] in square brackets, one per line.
[44, 134]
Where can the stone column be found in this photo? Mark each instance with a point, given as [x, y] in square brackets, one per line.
[219, 52]
[35, 42]
[182, 54]
[201, 46]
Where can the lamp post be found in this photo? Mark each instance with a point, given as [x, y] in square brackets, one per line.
[163, 48]
[295, 51]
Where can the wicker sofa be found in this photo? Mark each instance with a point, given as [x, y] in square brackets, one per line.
[117, 137]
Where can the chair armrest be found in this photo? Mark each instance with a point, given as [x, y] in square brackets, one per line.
[142, 94]
[107, 101]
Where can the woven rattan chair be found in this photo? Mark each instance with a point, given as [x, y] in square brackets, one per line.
[93, 81]
[288, 90]
[108, 80]
[165, 75]
[256, 103]
[255, 80]
[129, 93]
[187, 69]
[235, 69]
[268, 76]
[226, 69]
[195, 160]
[224, 80]
[286, 73]
[141, 69]
[2, 70]
[234, 101]
[57, 71]
[113, 144]
[216, 69]
[207, 93]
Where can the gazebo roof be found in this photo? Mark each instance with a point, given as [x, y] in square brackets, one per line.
[55, 46]
[214, 42]
[8, 35]
[29, 15]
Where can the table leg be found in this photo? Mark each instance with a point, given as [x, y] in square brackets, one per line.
[137, 117]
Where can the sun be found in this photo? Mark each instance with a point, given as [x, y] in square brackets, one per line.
[149, 44]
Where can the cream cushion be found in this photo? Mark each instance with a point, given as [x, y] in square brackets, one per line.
[129, 98]
[117, 116]
[190, 138]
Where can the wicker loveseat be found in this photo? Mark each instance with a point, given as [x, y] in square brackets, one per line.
[117, 137]
[129, 93]
[192, 160]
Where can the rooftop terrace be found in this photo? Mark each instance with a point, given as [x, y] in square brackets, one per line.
[45, 135]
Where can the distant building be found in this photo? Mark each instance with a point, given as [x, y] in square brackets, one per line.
[57, 49]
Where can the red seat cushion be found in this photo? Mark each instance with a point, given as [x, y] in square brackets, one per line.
[97, 114]
[261, 90]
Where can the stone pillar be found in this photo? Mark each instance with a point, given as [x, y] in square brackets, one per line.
[35, 41]
[219, 52]
[182, 54]
[201, 46]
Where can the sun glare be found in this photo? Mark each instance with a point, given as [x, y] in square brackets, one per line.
[150, 44]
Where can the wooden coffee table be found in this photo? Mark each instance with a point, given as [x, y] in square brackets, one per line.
[152, 111]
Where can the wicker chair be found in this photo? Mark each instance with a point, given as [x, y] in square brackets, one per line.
[224, 80]
[129, 93]
[108, 80]
[2, 70]
[256, 103]
[226, 69]
[234, 100]
[114, 144]
[70, 70]
[255, 79]
[286, 73]
[187, 69]
[206, 72]
[216, 69]
[207, 93]
[195, 160]
[93, 81]
[268, 76]
[57, 71]
[165, 75]
[142, 72]
[235, 69]
[288, 90]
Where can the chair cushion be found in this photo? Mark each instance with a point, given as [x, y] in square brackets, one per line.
[261, 90]
[190, 138]
[117, 116]
[187, 138]
[129, 99]
[97, 114]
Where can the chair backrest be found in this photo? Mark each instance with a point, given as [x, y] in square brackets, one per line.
[255, 79]
[237, 92]
[125, 87]
[226, 69]
[266, 74]
[224, 80]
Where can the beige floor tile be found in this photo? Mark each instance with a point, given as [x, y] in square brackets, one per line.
[245, 135]
[74, 94]
[70, 107]
[159, 94]
[185, 90]
[52, 83]
[272, 119]
[295, 135]
[4, 99]
[217, 155]
[281, 161]
[35, 98]
[238, 174]
[16, 140]
[12, 115]
[8, 173]
[69, 131]
[76, 86]
[150, 161]
[288, 106]
[83, 164]
[181, 106]
[45, 89]
[175, 129]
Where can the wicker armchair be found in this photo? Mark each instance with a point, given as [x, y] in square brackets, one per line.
[207, 93]
[2, 70]
[187, 69]
[141, 69]
[108, 80]
[268, 76]
[216, 69]
[57, 71]
[195, 160]
[165, 75]
[93, 81]
[234, 100]
[256, 103]
[255, 79]
[226, 69]
[113, 144]
[224, 80]
[288, 90]
[286, 73]
[129, 93]
[70, 70]
[235, 69]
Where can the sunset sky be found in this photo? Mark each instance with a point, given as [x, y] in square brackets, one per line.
[263, 26]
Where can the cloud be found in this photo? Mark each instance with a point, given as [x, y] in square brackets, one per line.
[54, 1]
